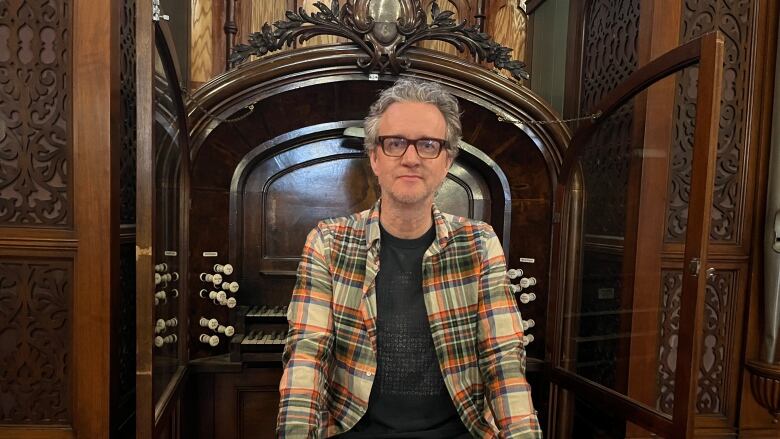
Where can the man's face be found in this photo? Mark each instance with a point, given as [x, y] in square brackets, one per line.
[410, 179]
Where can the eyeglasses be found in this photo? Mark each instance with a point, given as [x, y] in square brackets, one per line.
[395, 146]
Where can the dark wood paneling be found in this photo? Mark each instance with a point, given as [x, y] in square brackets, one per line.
[245, 404]
[36, 330]
[60, 269]
[735, 20]
[35, 130]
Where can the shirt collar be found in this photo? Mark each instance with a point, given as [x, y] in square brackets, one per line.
[443, 232]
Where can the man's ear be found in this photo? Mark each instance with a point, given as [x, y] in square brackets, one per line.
[372, 159]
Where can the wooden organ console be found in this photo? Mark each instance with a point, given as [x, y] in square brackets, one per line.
[272, 147]
[267, 179]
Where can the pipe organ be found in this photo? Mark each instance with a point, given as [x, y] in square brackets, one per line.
[275, 145]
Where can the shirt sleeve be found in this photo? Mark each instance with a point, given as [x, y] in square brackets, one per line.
[501, 352]
[309, 344]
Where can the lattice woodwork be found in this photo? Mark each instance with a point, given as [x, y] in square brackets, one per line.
[609, 48]
[127, 163]
[609, 57]
[34, 114]
[35, 341]
[734, 19]
[127, 159]
[719, 305]
[718, 314]
[670, 327]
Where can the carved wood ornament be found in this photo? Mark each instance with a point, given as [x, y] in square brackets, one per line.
[383, 29]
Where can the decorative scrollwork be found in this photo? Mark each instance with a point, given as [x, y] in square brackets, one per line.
[735, 20]
[384, 42]
[127, 162]
[35, 188]
[35, 347]
[716, 339]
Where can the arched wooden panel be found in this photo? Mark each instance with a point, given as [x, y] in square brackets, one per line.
[293, 91]
[285, 186]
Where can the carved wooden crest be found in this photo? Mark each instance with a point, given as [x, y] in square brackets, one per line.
[383, 29]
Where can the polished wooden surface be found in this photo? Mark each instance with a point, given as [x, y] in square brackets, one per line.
[95, 180]
[236, 405]
[144, 273]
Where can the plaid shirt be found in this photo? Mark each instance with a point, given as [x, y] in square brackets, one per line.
[330, 355]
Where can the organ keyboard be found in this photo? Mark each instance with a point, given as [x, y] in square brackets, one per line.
[260, 334]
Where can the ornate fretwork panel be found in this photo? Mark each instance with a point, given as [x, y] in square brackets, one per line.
[123, 400]
[34, 113]
[609, 57]
[609, 48]
[670, 327]
[127, 92]
[719, 305]
[35, 341]
[734, 20]
[718, 316]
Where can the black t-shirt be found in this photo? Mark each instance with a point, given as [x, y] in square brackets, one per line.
[409, 398]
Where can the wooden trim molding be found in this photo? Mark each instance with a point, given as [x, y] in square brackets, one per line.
[96, 183]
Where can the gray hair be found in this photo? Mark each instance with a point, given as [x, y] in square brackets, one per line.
[415, 90]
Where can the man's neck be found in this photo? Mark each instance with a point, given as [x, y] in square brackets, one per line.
[405, 221]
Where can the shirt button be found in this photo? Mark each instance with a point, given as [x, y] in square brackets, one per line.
[368, 374]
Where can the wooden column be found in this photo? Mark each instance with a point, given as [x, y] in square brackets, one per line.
[96, 197]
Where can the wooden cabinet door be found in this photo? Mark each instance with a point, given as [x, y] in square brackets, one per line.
[627, 306]
[161, 249]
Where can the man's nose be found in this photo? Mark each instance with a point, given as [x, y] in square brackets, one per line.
[410, 157]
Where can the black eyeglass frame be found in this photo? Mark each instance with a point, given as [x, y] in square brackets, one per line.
[442, 142]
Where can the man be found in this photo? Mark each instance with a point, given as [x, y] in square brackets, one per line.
[401, 322]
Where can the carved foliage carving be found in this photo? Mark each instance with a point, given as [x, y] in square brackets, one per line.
[127, 159]
[733, 19]
[718, 305]
[34, 114]
[35, 341]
